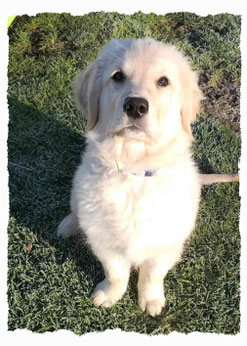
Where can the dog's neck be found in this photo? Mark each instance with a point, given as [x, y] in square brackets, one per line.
[130, 155]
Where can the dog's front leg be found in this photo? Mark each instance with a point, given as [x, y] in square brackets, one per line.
[112, 288]
[151, 277]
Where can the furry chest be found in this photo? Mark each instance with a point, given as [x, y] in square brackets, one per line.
[135, 213]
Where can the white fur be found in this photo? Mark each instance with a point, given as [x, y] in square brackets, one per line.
[133, 220]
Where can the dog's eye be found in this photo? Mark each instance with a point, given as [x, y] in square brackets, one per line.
[163, 81]
[118, 76]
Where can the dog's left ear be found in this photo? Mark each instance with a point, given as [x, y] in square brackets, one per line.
[87, 89]
[190, 100]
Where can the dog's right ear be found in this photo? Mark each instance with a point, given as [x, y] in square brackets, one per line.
[190, 100]
[87, 89]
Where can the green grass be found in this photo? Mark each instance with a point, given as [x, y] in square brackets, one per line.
[50, 281]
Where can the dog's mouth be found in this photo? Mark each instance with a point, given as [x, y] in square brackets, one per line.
[128, 127]
[127, 130]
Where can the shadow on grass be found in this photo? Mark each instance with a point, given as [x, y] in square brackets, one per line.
[43, 153]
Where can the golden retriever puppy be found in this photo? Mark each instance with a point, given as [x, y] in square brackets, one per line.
[136, 193]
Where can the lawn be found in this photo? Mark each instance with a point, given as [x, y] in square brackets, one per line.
[50, 281]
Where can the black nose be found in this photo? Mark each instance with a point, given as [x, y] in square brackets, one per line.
[135, 107]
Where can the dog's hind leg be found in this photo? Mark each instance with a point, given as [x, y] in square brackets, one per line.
[68, 226]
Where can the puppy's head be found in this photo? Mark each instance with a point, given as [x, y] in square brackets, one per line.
[140, 89]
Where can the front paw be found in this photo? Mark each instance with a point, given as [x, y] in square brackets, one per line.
[106, 294]
[152, 306]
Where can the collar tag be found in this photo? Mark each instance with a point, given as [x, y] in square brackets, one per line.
[140, 173]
